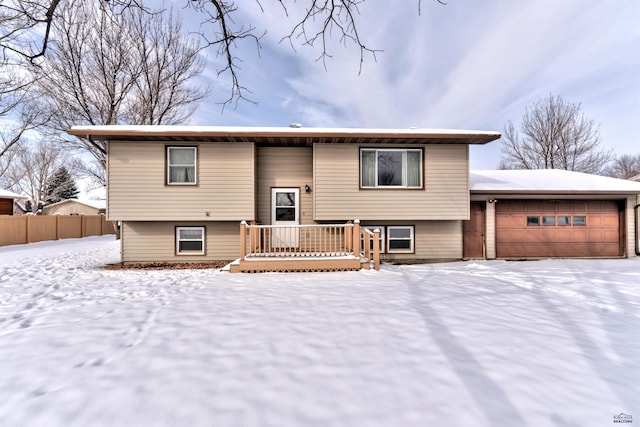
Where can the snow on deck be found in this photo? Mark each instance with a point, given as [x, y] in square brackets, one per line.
[539, 343]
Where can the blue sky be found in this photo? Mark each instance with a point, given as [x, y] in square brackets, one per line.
[464, 65]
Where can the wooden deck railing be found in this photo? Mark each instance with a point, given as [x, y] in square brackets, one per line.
[371, 246]
[313, 241]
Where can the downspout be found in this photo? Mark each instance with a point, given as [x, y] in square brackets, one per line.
[637, 221]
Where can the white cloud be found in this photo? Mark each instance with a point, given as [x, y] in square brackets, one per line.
[461, 65]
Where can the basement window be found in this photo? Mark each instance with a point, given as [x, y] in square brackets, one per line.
[190, 240]
[400, 238]
[371, 228]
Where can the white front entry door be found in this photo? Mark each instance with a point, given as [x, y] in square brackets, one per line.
[285, 212]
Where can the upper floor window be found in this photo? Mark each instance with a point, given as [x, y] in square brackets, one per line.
[181, 165]
[390, 168]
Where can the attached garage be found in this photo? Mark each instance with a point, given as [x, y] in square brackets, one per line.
[559, 228]
[551, 213]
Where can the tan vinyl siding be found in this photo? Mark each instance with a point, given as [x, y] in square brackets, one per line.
[283, 167]
[434, 240]
[155, 242]
[337, 192]
[137, 190]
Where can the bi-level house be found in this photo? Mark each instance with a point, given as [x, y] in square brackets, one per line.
[311, 198]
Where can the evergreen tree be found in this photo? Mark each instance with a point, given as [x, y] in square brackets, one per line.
[60, 186]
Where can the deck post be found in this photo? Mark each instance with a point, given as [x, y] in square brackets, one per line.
[243, 239]
[356, 237]
[376, 249]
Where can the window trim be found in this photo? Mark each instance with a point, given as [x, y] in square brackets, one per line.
[168, 165]
[391, 187]
[383, 236]
[411, 239]
[202, 228]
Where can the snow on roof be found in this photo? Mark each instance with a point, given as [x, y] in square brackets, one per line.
[203, 133]
[97, 204]
[547, 181]
[159, 129]
[6, 194]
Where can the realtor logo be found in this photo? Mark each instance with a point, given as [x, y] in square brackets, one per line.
[622, 418]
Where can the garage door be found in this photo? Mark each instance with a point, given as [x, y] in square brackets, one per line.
[567, 228]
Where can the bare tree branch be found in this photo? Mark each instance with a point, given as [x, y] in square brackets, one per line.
[26, 26]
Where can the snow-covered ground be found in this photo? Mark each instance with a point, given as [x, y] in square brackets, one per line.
[541, 343]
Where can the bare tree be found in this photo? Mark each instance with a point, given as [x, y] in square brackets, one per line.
[108, 68]
[625, 166]
[553, 134]
[27, 26]
[19, 112]
[33, 165]
[168, 63]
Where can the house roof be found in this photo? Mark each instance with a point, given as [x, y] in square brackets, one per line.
[96, 204]
[553, 181]
[282, 135]
[6, 194]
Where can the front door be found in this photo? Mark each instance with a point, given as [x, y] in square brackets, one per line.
[285, 213]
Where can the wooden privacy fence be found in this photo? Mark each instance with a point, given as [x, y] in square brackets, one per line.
[16, 230]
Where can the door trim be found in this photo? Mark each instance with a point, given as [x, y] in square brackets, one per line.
[295, 190]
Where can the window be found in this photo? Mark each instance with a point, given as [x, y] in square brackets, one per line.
[181, 165]
[564, 220]
[390, 168]
[400, 239]
[548, 220]
[533, 220]
[580, 220]
[371, 228]
[190, 240]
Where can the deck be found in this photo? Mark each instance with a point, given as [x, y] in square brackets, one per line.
[316, 247]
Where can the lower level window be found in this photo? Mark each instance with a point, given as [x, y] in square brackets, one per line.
[190, 240]
[372, 228]
[400, 238]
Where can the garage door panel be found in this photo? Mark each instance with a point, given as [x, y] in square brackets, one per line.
[579, 207]
[599, 235]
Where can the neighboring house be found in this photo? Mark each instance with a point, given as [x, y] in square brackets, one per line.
[180, 193]
[8, 200]
[551, 213]
[635, 178]
[75, 207]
